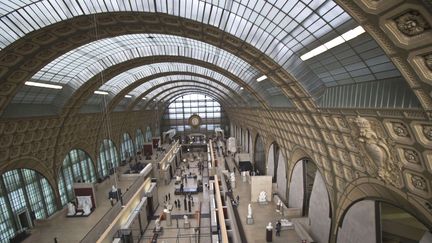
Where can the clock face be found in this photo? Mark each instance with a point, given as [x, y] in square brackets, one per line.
[194, 120]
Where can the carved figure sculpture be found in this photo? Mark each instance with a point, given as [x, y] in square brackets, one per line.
[157, 225]
[71, 209]
[262, 197]
[378, 150]
[249, 211]
[86, 207]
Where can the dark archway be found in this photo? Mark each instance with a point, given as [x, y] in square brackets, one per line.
[259, 156]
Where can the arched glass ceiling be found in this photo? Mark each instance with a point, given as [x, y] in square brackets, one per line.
[156, 92]
[146, 86]
[281, 29]
[97, 99]
[264, 24]
[125, 79]
[80, 64]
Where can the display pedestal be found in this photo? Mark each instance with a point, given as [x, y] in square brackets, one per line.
[269, 235]
[249, 220]
[168, 217]
[186, 225]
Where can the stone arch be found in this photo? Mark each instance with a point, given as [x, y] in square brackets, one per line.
[259, 154]
[318, 210]
[373, 189]
[31, 163]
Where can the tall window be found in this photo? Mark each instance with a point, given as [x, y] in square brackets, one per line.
[178, 112]
[148, 135]
[127, 147]
[23, 192]
[139, 140]
[108, 158]
[77, 167]
[259, 156]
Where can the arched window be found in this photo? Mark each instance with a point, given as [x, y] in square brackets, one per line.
[108, 158]
[139, 140]
[127, 148]
[24, 195]
[148, 135]
[180, 110]
[77, 167]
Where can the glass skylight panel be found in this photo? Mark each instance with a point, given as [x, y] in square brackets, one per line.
[71, 68]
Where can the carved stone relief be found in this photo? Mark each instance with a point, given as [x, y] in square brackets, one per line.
[378, 150]
[427, 131]
[418, 184]
[428, 61]
[412, 23]
[400, 129]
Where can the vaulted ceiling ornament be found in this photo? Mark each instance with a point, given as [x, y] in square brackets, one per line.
[378, 149]
[412, 23]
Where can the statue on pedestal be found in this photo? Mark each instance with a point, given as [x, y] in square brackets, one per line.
[278, 205]
[249, 211]
[157, 225]
[262, 198]
[186, 219]
[71, 209]
[86, 207]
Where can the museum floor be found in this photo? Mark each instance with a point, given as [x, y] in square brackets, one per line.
[74, 229]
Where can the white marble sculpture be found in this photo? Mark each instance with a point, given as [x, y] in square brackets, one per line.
[85, 203]
[113, 189]
[71, 209]
[262, 198]
[233, 180]
[269, 226]
[86, 207]
[186, 219]
[249, 211]
[157, 225]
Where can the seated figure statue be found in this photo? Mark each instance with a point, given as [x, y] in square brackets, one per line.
[262, 198]
[71, 209]
[86, 207]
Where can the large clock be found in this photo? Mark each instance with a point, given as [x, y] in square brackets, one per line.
[194, 120]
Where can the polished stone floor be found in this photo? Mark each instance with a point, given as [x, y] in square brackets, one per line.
[74, 229]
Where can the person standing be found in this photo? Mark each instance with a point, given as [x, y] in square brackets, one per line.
[278, 228]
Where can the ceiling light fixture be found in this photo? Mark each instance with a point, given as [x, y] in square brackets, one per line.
[144, 98]
[100, 92]
[43, 85]
[128, 96]
[264, 77]
[351, 34]
[241, 88]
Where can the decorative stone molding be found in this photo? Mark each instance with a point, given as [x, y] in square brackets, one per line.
[411, 156]
[378, 151]
[400, 129]
[427, 131]
[428, 61]
[419, 182]
[412, 23]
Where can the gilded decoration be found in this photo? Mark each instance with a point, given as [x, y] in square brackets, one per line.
[377, 148]
[412, 23]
